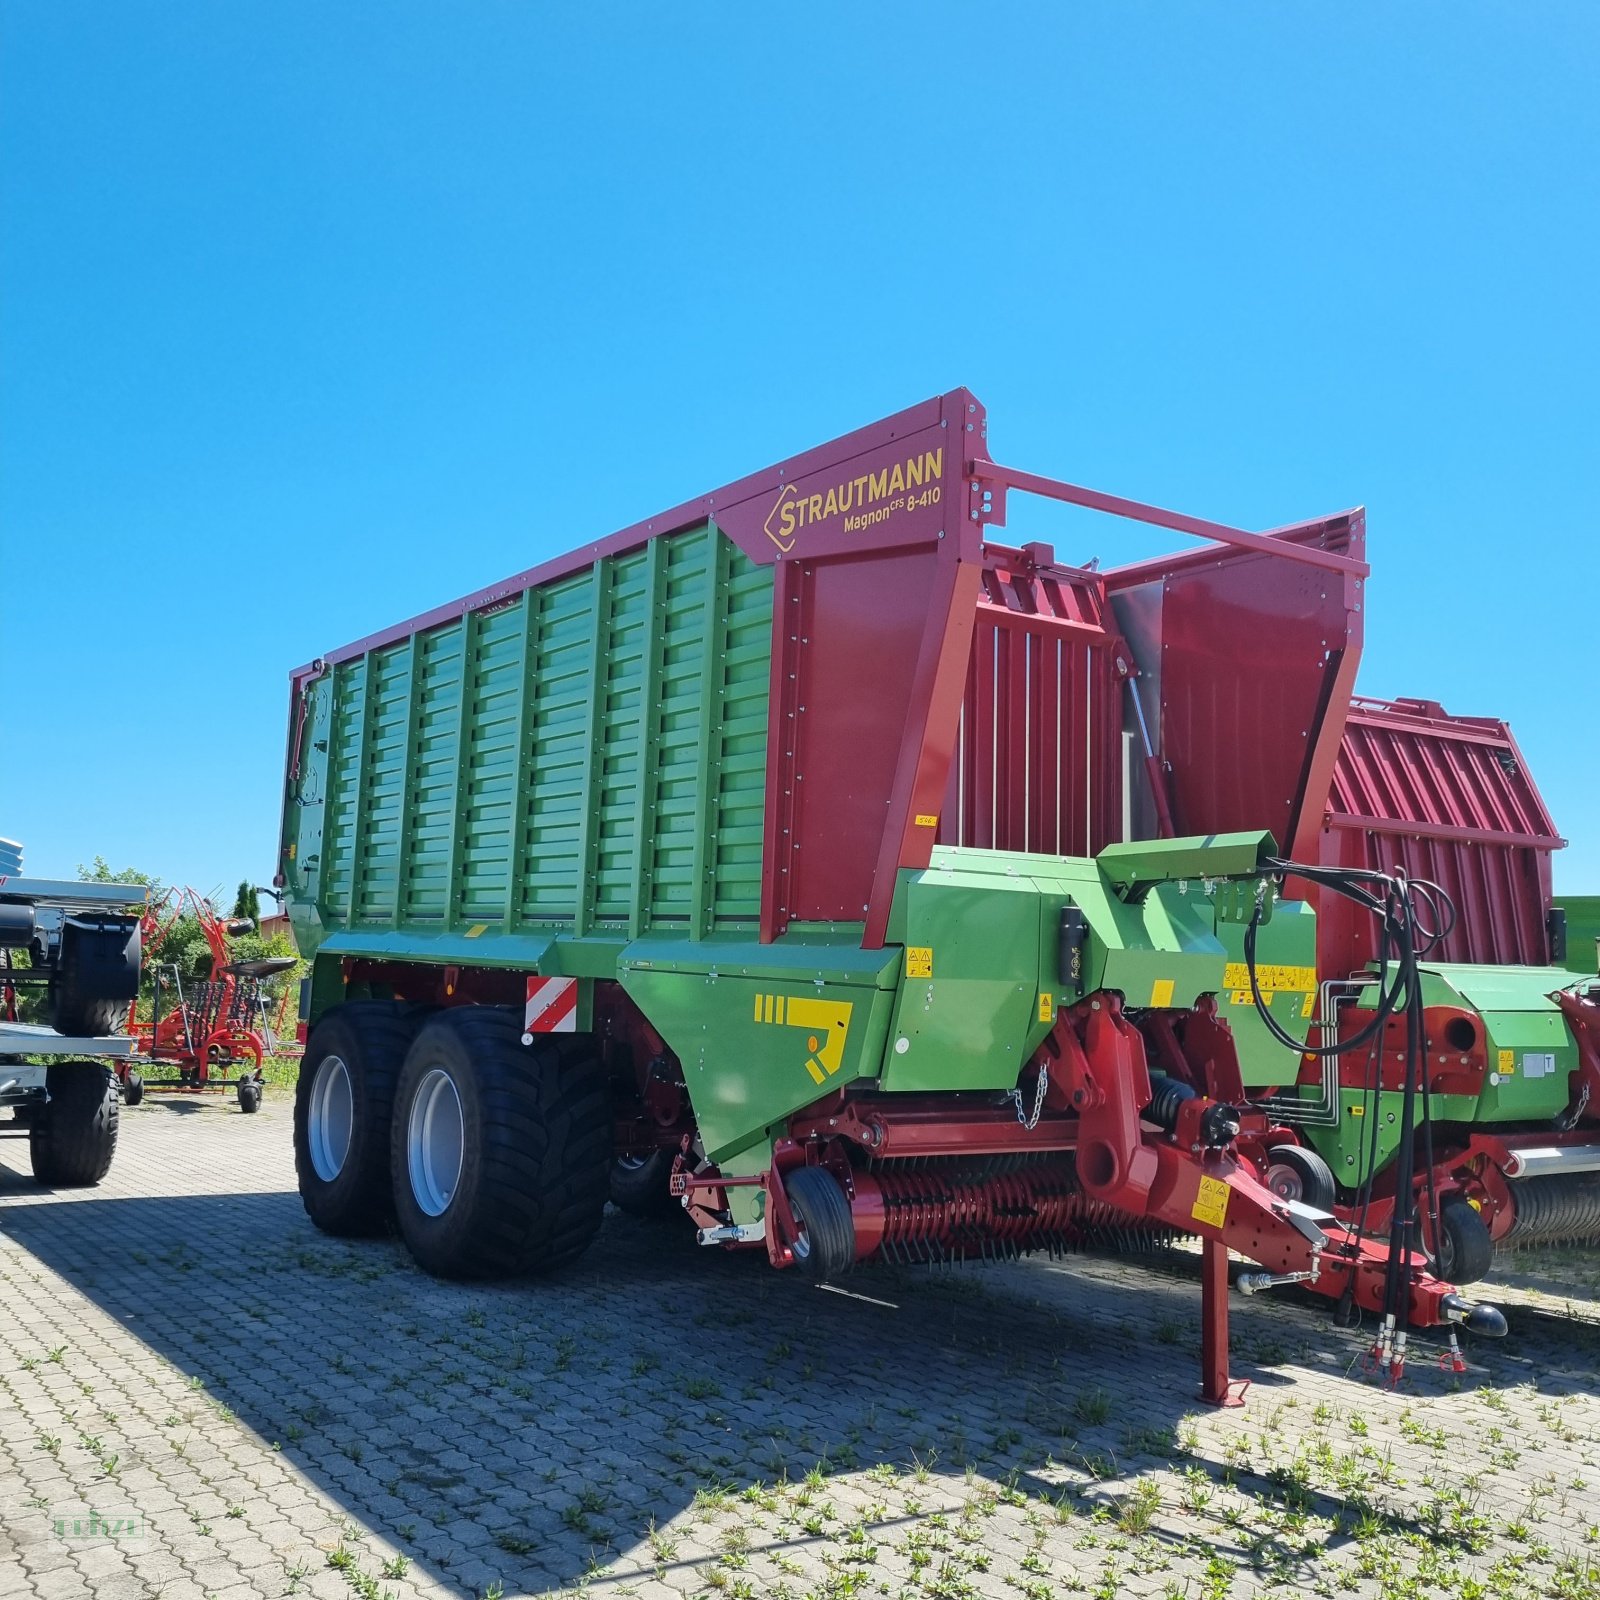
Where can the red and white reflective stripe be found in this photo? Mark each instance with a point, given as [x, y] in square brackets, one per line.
[552, 1007]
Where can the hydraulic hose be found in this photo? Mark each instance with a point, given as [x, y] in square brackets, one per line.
[1414, 916]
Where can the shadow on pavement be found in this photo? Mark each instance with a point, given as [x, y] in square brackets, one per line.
[533, 1434]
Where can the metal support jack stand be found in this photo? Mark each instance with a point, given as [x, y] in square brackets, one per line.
[1216, 1387]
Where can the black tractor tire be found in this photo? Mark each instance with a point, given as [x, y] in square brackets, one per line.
[1466, 1252]
[73, 1140]
[534, 1161]
[132, 1088]
[1307, 1171]
[640, 1187]
[75, 1017]
[249, 1096]
[349, 1197]
[96, 977]
[826, 1248]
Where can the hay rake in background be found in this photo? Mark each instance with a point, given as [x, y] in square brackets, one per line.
[216, 1031]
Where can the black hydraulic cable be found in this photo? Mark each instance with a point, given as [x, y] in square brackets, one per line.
[1415, 916]
[1399, 1223]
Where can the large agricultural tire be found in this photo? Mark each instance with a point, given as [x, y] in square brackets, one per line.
[96, 977]
[639, 1186]
[1297, 1173]
[500, 1152]
[343, 1103]
[75, 1017]
[1466, 1252]
[72, 1142]
[826, 1246]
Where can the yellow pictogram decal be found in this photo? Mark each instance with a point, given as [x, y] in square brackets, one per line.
[1211, 1204]
[1269, 978]
[1161, 993]
[1047, 1008]
[476, 929]
[1508, 1063]
[827, 1025]
[919, 960]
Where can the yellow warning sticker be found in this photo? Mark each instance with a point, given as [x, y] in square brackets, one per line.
[476, 929]
[1047, 1007]
[1161, 993]
[1269, 978]
[1508, 1063]
[1243, 997]
[919, 960]
[926, 819]
[1211, 1204]
[1306, 1004]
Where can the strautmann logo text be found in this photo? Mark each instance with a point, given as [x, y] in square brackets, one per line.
[863, 501]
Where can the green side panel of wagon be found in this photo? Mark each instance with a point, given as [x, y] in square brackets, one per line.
[536, 784]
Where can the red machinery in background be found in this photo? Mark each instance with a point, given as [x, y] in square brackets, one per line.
[218, 1028]
[1450, 799]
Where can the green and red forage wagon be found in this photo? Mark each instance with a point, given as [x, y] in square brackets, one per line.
[808, 860]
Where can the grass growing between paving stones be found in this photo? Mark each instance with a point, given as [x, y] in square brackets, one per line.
[664, 1419]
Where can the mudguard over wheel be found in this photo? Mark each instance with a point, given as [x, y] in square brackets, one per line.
[500, 1151]
[72, 1142]
[343, 1103]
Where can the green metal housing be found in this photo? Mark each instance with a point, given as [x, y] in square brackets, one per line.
[1530, 1056]
[1583, 933]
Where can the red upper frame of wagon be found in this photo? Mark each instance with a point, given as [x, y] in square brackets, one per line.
[930, 683]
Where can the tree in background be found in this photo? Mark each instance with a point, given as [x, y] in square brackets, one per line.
[100, 872]
[247, 903]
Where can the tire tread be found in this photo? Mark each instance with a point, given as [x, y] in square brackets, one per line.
[384, 1029]
[73, 1144]
[544, 1156]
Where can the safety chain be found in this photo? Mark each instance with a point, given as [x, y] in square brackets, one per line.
[1571, 1117]
[1030, 1123]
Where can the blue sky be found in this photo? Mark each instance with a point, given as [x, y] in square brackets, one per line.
[313, 316]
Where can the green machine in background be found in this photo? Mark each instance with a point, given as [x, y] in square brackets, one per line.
[1583, 932]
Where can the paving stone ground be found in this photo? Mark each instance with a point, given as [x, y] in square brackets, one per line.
[200, 1395]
